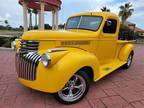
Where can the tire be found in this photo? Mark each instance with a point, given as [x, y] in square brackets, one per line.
[129, 61]
[75, 90]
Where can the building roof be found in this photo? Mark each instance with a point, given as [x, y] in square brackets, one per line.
[139, 30]
[130, 23]
[132, 26]
[49, 4]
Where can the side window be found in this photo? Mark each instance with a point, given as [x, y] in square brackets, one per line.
[110, 26]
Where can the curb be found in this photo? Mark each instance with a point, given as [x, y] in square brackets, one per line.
[6, 49]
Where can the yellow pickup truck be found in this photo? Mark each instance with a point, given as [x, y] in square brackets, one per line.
[65, 62]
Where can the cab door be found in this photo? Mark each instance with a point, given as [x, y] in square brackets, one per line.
[107, 42]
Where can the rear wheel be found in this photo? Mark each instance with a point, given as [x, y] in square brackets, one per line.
[75, 89]
[129, 61]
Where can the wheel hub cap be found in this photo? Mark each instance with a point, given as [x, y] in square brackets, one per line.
[74, 89]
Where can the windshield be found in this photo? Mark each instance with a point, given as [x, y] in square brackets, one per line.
[84, 22]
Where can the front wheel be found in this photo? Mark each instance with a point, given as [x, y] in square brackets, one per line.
[75, 89]
[129, 61]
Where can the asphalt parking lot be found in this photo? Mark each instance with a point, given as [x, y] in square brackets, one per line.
[121, 89]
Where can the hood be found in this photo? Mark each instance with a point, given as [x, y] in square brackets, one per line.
[59, 35]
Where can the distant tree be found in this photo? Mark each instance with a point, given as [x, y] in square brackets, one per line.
[35, 12]
[36, 27]
[30, 18]
[8, 27]
[105, 9]
[125, 12]
[61, 26]
[21, 27]
[6, 22]
[47, 26]
[2, 27]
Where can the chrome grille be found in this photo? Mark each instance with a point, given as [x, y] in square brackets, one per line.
[26, 65]
[28, 46]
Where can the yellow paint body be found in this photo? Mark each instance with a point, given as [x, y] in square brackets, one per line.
[17, 41]
[101, 51]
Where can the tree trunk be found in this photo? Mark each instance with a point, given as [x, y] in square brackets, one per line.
[124, 22]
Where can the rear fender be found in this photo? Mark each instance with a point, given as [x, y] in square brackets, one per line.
[125, 51]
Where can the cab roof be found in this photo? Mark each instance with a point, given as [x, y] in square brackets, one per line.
[103, 14]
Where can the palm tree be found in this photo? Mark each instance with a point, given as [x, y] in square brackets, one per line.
[125, 12]
[6, 22]
[104, 9]
[35, 12]
[30, 18]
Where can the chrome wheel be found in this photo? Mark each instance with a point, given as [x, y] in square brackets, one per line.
[129, 61]
[74, 89]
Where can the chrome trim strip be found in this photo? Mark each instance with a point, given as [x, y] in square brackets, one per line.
[56, 50]
[28, 46]
[26, 65]
[34, 67]
[31, 66]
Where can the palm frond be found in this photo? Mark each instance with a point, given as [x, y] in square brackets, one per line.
[125, 11]
[122, 7]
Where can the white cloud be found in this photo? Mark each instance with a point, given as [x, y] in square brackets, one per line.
[1, 18]
[11, 10]
[138, 5]
[7, 16]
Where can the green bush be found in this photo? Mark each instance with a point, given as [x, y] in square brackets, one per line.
[6, 41]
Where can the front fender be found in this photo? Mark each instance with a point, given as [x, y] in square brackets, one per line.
[125, 51]
[57, 75]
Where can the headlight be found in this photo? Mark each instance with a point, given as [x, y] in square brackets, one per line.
[13, 45]
[45, 59]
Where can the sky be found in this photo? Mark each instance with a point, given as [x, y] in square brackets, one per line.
[12, 11]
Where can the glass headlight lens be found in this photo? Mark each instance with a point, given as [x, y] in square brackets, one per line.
[45, 59]
[13, 45]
